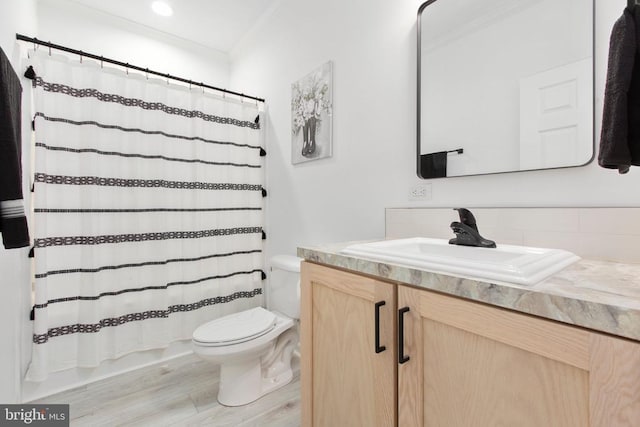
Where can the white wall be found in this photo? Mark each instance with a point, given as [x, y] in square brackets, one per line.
[15, 16]
[373, 46]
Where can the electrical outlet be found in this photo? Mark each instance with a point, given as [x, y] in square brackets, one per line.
[420, 192]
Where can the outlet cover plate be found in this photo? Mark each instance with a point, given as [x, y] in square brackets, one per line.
[420, 192]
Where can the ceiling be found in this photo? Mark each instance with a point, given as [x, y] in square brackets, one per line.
[218, 24]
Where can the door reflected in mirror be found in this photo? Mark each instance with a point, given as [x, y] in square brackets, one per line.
[504, 86]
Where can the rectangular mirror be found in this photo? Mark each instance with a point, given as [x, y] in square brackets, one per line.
[504, 86]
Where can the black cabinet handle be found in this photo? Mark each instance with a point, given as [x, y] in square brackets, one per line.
[401, 357]
[379, 348]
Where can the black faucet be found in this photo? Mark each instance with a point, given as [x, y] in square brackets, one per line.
[467, 231]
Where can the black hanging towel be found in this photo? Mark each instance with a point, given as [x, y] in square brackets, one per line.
[620, 136]
[13, 222]
[434, 165]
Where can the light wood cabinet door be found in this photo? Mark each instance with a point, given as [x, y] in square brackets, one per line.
[475, 365]
[348, 372]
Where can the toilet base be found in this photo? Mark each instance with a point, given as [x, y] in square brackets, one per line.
[248, 387]
[245, 381]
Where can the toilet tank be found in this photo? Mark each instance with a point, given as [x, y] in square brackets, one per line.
[283, 286]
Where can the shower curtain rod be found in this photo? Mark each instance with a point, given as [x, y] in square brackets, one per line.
[129, 66]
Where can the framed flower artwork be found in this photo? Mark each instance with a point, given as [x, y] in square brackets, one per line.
[311, 115]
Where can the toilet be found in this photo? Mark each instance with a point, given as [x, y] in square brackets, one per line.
[254, 347]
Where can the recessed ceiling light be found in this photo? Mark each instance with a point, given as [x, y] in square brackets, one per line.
[162, 8]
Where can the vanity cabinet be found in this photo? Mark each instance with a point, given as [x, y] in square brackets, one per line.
[452, 362]
[484, 366]
[348, 374]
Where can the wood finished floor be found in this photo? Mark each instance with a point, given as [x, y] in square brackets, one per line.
[180, 392]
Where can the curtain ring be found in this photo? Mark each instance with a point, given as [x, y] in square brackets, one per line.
[146, 73]
[126, 68]
[81, 57]
[168, 76]
[49, 47]
[101, 63]
[202, 86]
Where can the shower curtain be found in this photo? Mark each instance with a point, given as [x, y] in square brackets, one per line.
[147, 212]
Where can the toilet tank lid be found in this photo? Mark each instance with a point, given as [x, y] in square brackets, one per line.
[286, 262]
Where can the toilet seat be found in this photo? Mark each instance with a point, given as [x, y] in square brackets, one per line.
[235, 328]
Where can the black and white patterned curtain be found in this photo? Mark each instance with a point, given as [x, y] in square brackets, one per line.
[148, 212]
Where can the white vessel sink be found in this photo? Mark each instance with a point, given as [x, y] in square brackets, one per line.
[513, 264]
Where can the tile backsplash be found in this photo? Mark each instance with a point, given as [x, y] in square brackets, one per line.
[609, 234]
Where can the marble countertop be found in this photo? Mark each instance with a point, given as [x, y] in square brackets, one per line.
[599, 295]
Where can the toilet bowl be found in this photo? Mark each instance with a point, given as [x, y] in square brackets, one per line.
[254, 347]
